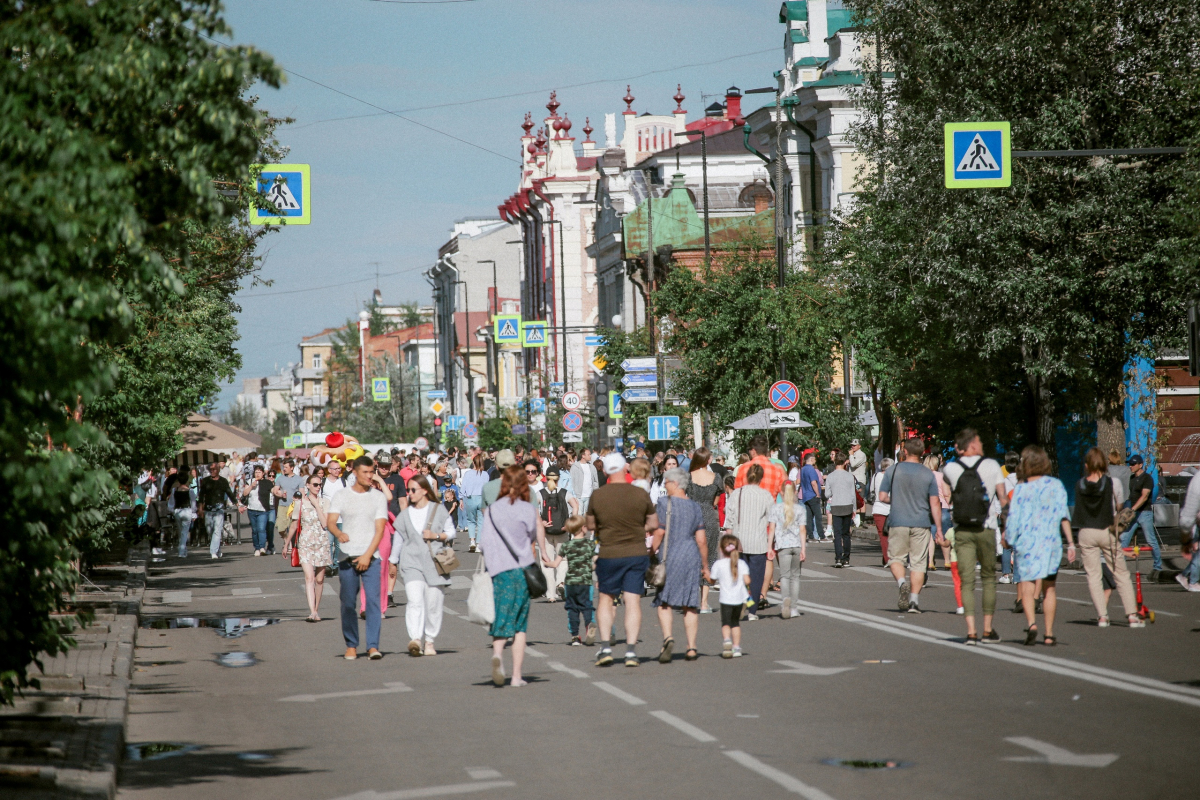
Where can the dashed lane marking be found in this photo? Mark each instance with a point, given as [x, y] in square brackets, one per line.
[786, 781]
[619, 693]
[684, 727]
[555, 665]
[389, 688]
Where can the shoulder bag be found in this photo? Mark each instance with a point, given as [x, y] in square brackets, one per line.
[656, 576]
[535, 579]
[445, 560]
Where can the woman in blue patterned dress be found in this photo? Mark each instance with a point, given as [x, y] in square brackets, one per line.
[1037, 521]
[685, 540]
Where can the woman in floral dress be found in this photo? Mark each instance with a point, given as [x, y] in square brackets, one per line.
[312, 540]
[1036, 516]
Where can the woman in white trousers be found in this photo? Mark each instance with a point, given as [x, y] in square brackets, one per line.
[421, 530]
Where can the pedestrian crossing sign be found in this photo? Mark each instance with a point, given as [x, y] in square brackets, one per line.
[533, 333]
[381, 389]
[286, 187]
[508, 328]
[978, 155]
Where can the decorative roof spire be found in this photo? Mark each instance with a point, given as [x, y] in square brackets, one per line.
[541, 140]
[628, 98]
[679, 97]
[553, 105]
[528, 123]
[587, 128]
[564, 125]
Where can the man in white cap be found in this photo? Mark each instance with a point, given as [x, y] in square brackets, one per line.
[858, 464]
[621, 514]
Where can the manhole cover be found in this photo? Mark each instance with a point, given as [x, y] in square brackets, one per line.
[862, 763]
[238, 658]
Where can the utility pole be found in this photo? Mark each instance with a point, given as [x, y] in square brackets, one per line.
[651, 285]
[467, 360]
[780, 254]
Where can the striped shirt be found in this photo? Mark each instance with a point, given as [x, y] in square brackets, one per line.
[746, 515]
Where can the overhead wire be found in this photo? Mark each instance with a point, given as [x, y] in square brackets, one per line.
[380, 108]
[540, 91]
[331, 285]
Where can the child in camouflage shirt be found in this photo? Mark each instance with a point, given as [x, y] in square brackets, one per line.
[580, 554]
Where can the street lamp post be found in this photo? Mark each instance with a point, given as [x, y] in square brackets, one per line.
[467, 361]
[704, 182]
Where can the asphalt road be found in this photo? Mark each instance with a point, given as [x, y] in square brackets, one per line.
[1107, 713]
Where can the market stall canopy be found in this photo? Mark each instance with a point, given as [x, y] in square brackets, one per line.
[760, 421]
[205, 440]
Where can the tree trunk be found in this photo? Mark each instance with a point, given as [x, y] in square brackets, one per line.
[1110, 428]
[887, 424]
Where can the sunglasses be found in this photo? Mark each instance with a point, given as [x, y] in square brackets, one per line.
[410, 491]
[314, 483]
[531, 472]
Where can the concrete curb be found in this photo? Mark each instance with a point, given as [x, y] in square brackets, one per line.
[67, 739]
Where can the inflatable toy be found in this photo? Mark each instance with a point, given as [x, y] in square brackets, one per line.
[338, 447]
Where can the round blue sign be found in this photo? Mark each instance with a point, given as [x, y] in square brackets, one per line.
[572, 421]
[784, 395]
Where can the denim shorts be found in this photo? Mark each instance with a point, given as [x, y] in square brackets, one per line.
[616, 575]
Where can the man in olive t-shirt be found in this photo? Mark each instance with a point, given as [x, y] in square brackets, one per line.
[621, 514]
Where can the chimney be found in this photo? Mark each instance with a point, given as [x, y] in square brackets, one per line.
[733, 105]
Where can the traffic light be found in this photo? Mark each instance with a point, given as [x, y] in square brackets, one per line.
[600, 400]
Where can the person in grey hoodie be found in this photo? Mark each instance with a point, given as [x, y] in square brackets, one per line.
[840, 492]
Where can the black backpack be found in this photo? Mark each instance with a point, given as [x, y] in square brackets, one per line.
[970, 498]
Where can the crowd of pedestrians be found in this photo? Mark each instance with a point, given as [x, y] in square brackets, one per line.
[601, 530]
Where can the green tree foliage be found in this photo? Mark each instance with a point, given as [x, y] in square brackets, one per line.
[731, 328]
[115, 119]
[1016, 309]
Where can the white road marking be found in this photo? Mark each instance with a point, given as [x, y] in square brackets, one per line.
[430, 791]
[797, 668]
[1059, 666]
[1050, 754]
[812, 573]
[879, 571]
[620, 693]
[177, 597]
[683, 726]
[793, 785]
[451, 612]
[246, 591]
[236, 597]
[483, 773]
[535, 653]
[564, 668]
[391, 688]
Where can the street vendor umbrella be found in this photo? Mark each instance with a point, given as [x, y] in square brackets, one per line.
[760, 421]
[205, 441]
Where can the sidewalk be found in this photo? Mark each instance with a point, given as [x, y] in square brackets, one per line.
[66, 739]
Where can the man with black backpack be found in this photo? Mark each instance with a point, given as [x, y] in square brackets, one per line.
[975, 484]
[555, 507]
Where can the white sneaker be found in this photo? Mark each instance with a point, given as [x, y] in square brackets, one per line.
[1004, 579]
[1136, 622]
[218, 555]
[1193, 587]
[960, 611]
[737, 652]
[1103, 622]
[158, 551]
[795, 613]
[752, 617]
[257, 553]
[787, 608]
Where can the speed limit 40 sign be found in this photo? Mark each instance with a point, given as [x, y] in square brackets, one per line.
[571, 401]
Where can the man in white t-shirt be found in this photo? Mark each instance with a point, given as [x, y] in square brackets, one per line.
[976, 527]
[357, 516]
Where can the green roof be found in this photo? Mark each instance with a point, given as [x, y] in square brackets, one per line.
[793, 10]
[811, 61]
[838, 18]
[797, 37]
[677, 223]
[837, 79]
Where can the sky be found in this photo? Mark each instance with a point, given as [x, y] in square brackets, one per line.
[385, 190]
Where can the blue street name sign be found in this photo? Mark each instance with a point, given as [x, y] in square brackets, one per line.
[640, 395]
[662, 429]
[436, 394]
[640, 364]
[640, 379]
[593, 341]
[518, 429]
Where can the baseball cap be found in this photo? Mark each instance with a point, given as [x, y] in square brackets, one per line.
[1135, 459]
[854, 441]
[384, 459]
[505, 459]
[614, 463]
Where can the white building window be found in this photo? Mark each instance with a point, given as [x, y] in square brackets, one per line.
[316, 389]
[316, 361]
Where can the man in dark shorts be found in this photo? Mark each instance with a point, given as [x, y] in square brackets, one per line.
[621, 514]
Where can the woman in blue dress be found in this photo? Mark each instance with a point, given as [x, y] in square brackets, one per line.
[679, 544]
[1037, 521]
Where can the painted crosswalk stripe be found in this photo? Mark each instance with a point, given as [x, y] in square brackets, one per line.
[389, 688]
[619, 693]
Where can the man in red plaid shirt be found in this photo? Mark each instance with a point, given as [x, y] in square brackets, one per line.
[773, 474]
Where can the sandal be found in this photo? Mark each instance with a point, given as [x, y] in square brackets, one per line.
[1031, 635]
[691, 654]
[1050, 641]
[664, 656]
